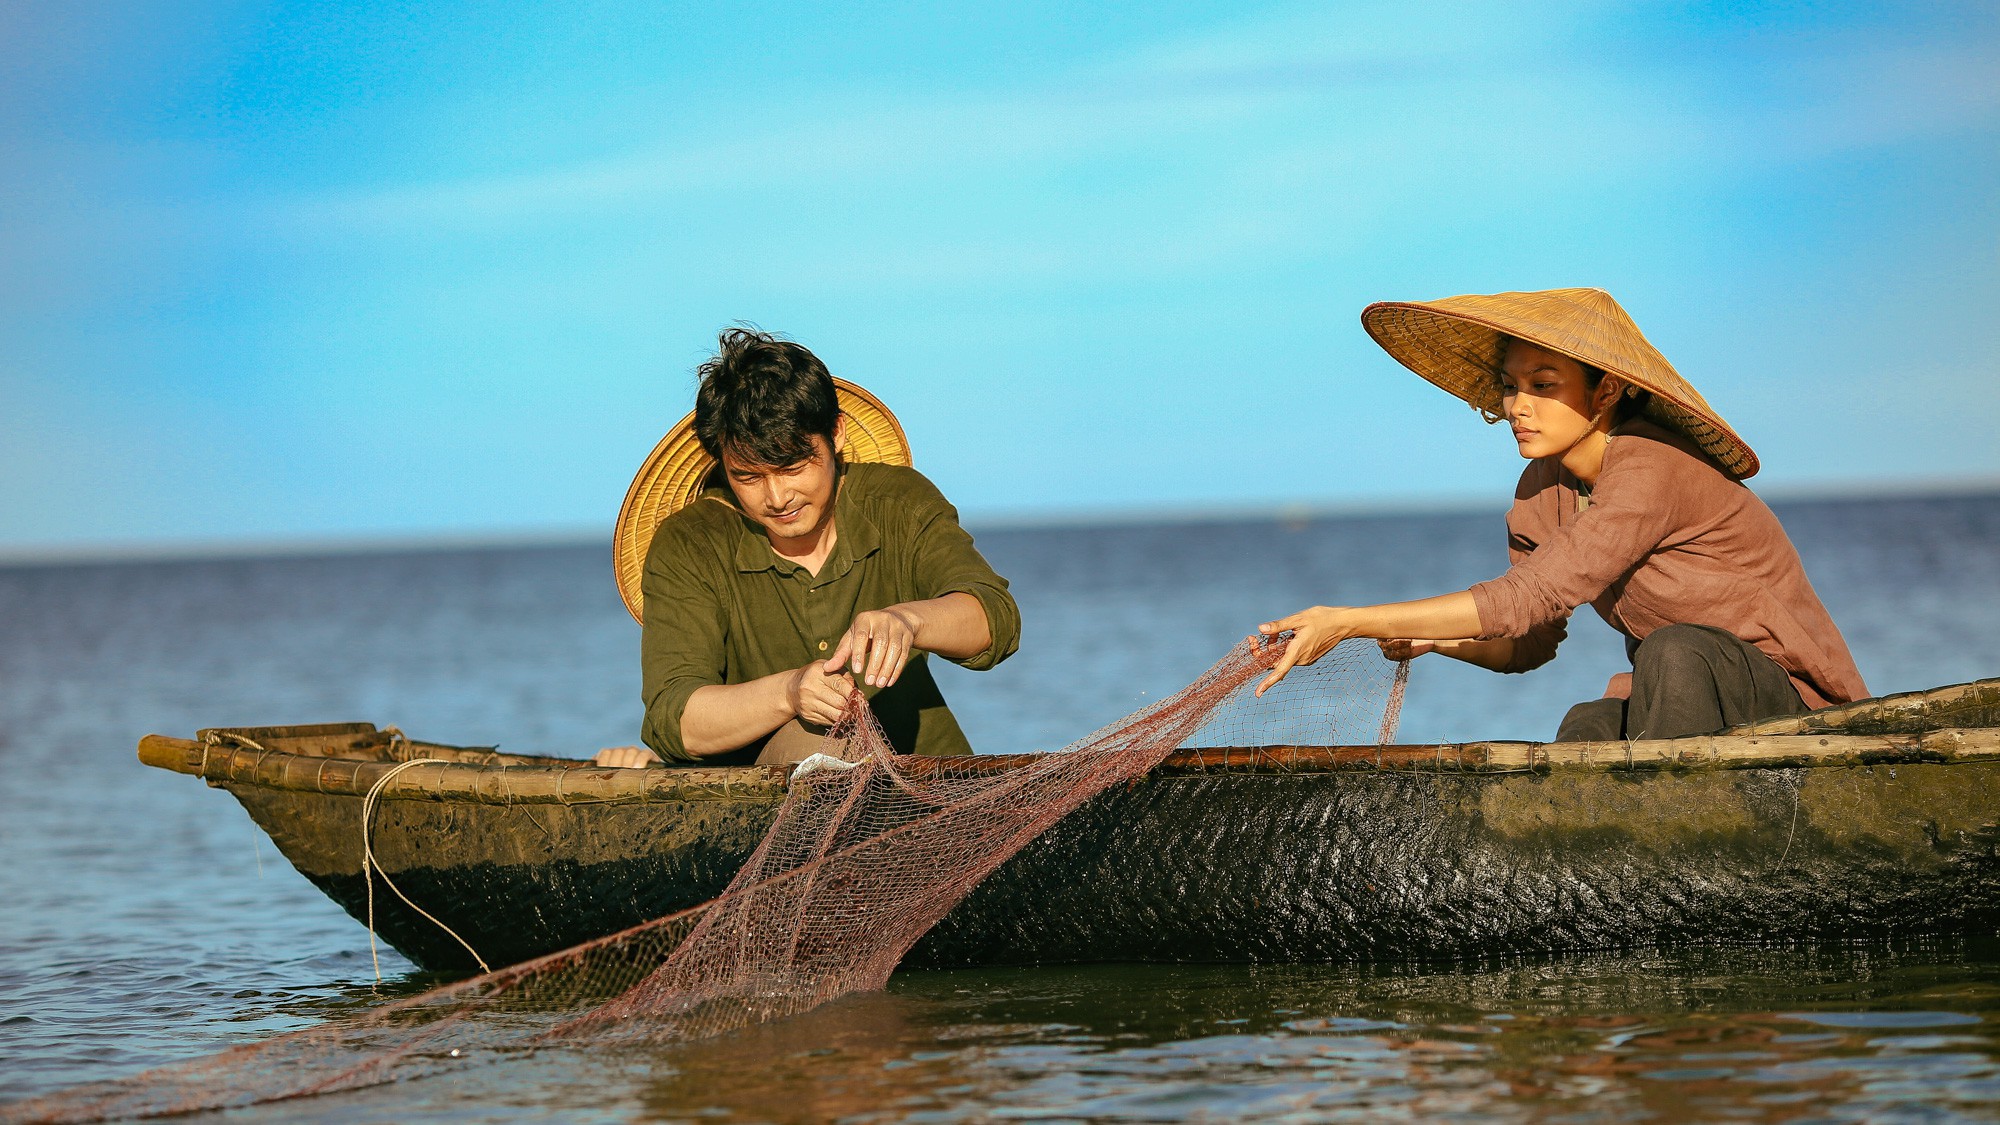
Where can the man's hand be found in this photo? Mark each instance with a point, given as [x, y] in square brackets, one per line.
[817, 695]
[626, 757]
[1401, 649]
[1314, 633]
[877, 645]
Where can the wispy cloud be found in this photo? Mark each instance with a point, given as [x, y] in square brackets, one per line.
[1130, 209]
[1367, 89]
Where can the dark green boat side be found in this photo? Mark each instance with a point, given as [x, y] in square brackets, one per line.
[1885, 822]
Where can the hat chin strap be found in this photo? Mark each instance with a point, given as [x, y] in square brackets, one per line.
[1603, 414]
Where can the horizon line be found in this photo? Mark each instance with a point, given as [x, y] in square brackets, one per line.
[979, 522]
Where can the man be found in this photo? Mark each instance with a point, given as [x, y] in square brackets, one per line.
[801, 576]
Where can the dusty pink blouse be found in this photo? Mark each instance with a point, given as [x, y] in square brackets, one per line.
[1668, 538]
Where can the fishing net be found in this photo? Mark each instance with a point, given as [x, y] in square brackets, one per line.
[869, 851]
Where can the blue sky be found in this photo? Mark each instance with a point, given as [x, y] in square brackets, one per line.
[276, 272]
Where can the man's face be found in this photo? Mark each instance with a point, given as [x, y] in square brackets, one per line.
[788, 501]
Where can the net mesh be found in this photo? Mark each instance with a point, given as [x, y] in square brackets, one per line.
[868, 851]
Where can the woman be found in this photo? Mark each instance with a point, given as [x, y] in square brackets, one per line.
[1631, 502]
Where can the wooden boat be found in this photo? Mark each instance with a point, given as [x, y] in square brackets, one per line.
[1878, 818]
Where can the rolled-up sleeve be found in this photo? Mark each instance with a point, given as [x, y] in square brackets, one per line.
[681, 648]
[946, 562]
[1630, 520]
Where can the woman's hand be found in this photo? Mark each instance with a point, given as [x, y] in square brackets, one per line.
[626, 757]
[1402, 648]
[1314, 633]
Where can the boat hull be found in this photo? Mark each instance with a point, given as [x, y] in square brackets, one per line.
[1242, 865]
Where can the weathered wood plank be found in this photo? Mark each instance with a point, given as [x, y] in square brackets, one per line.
[1976, 704]
[500, 782]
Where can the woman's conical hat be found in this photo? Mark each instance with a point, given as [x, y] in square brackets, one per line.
[679, 469]
[1455, 343]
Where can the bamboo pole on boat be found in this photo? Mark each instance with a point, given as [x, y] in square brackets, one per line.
[497, 782]
[494, 783]
[1976, 704]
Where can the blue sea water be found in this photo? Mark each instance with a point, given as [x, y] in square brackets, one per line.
[144, 919]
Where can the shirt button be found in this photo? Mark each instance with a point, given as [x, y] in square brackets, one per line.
[822, 646]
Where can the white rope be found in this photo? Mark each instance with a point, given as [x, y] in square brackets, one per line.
[213, 740]
[1798, 783]
[369, 867]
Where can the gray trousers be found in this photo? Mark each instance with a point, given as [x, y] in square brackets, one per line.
[1687, 679]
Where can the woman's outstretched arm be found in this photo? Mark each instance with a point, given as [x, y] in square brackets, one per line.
[1496, 655]
[1447, 617]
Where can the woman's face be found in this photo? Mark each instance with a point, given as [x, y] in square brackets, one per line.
[1545, 399]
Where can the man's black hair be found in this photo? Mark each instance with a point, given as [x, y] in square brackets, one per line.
[762, 399]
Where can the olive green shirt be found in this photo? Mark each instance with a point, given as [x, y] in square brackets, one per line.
[721, 607]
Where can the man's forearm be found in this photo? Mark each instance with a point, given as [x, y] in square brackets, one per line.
[953, 626]
[719, 718]
[724, 717]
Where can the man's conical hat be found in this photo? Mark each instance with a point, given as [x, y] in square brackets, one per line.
[1455, 343]
[678, 469]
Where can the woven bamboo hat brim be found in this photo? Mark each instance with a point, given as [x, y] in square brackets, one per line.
[678, 469]
[1455, 343]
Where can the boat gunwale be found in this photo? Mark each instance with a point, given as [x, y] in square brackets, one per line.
[496, 779]
[1906, 712]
